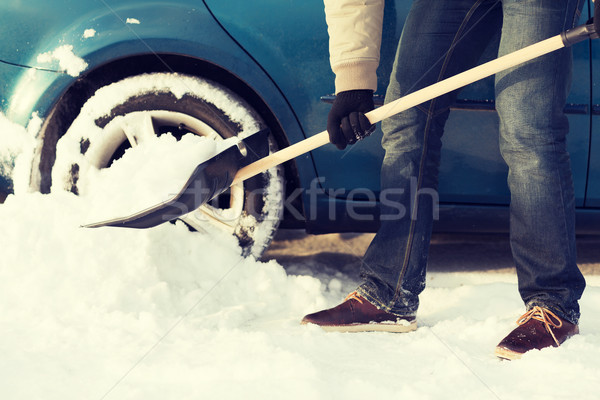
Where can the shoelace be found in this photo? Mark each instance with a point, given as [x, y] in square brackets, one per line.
[354, 296]
[545, 316]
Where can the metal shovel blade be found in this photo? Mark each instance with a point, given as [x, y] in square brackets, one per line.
[209, 179]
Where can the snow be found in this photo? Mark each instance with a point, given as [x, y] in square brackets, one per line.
[166, 313]
[16, 150]
[89, 33]
[160, 179]
[67, 60]
[13, 139]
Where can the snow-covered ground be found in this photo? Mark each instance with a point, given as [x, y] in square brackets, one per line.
[167, 313]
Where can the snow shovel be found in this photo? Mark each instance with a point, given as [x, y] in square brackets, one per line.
[236, 164]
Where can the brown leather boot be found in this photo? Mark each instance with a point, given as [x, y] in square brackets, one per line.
[356, 314]
[538, 328]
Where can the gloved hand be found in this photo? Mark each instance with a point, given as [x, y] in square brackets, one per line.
[346, 122]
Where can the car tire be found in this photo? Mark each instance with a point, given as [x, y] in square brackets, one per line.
[173, 103]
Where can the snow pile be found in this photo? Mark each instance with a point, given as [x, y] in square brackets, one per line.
[155, 171]
[82, 306]
[67, 60]
[13, 140]
[16, 151]
[85, 305]
[166, 313]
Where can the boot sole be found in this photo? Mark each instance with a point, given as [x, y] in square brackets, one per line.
[507, 354]
[378, 327]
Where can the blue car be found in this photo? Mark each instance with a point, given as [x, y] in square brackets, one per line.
[269, 60]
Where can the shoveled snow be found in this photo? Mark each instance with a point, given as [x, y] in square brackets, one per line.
[160, 177]
[167, 313]
[67, 60]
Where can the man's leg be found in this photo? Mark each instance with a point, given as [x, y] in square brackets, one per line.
[533, 128]
[440, 38]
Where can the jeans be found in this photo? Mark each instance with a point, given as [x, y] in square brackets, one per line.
[440, 39]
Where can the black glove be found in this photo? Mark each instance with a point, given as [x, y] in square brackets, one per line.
[346, 122]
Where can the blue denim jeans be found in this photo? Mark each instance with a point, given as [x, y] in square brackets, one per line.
[440, 39]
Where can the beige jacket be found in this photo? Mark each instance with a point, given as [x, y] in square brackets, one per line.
[354, 28]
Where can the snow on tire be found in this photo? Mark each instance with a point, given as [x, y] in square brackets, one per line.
[126, 113]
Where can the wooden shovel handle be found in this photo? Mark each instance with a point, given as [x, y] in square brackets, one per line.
[406, 102]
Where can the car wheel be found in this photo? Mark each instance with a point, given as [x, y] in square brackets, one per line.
[126, 112]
